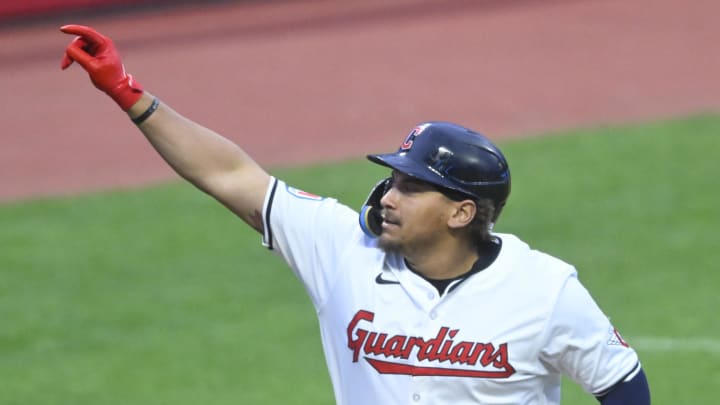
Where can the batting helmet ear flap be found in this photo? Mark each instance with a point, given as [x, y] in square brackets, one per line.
[370, 213]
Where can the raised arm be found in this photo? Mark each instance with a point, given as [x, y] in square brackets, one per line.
[211, 162]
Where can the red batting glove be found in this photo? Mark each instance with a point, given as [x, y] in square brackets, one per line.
[96, 53]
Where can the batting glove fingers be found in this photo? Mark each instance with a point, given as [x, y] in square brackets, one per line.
[97, 54]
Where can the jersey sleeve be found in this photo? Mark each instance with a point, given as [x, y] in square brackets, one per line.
[583, 344]
[310, 233]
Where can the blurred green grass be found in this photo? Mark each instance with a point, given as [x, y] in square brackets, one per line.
[160, 295]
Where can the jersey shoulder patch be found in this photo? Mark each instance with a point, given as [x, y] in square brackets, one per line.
[615, 339]
[297, 193]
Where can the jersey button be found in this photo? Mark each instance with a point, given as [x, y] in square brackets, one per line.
[433, 315]
[416, 397]
[431, 295]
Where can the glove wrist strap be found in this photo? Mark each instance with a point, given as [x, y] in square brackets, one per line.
[126, 93]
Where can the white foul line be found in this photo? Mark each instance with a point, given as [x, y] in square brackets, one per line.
[675, 344]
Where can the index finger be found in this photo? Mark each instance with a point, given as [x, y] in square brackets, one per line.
[86, 32]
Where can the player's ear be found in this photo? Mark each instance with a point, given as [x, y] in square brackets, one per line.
[462, 214]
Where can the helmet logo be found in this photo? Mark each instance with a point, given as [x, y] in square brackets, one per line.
[440, 161]
[410, 139]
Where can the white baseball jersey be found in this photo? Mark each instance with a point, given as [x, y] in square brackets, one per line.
[504, 335]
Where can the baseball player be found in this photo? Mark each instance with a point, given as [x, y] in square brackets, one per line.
[419, 301]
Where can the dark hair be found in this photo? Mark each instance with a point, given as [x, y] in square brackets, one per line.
[481, 224]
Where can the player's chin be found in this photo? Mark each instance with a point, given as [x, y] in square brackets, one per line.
[389, 244]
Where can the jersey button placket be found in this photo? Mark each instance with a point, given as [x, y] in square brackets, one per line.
[429, 328]
[434, 304]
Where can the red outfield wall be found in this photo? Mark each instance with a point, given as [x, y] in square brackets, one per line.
[23, 8]
[298, 81]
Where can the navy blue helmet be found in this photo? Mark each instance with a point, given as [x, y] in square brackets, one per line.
[455, 158]
[452, 157]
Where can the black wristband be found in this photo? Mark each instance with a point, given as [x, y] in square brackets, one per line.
[142, 117]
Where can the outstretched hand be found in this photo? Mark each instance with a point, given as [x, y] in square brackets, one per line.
[97, 54]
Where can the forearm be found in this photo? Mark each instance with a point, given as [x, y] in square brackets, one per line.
[197, 153]
[211, 162]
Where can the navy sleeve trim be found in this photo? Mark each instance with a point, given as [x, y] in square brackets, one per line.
[634, 391]
[620, 381]
[268, 227]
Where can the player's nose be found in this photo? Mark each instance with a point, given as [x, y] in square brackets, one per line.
[389, 199]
